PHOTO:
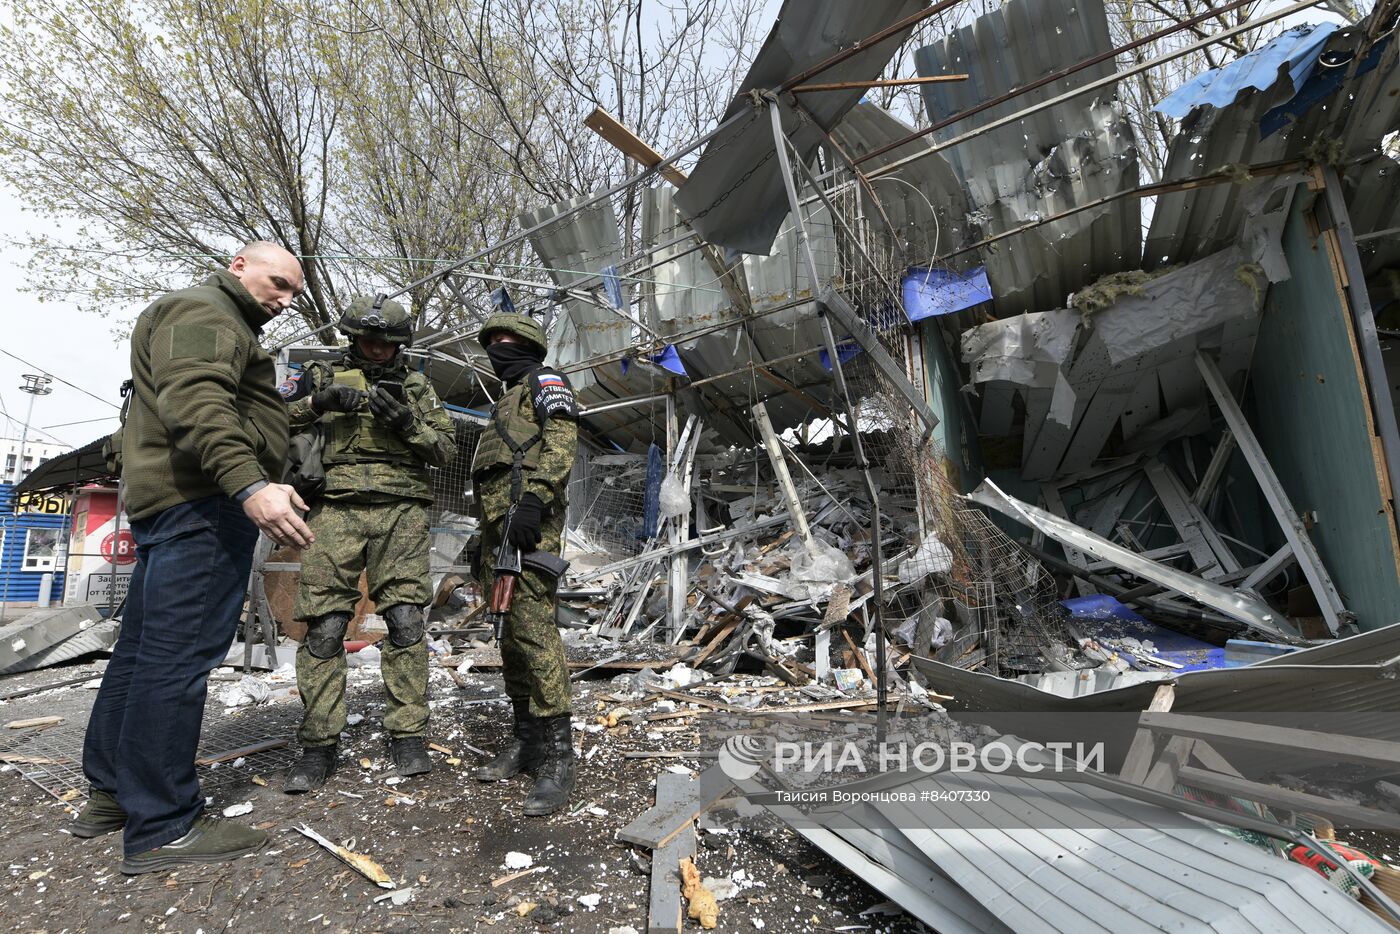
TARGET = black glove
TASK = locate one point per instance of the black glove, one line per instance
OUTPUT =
(336, 398)
(525, 524)
(389, 410)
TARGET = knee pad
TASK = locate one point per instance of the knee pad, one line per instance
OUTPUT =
(406, 624)
(325, 635)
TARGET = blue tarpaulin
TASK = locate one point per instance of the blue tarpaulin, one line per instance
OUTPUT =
(1297, 49)
(1321, 86)
(1100, 617)
(845, 350)
(670, 361)
(929, 293)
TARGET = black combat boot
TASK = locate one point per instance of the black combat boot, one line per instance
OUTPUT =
(555, 778)
(410, 755)
(317, 763)
(523, 753)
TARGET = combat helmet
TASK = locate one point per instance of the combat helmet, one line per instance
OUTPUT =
(512, 322)
(377, 317)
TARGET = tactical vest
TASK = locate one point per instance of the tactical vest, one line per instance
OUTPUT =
(513, 418)
(358, 437)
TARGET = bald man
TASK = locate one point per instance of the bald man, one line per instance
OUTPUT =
(201, 447)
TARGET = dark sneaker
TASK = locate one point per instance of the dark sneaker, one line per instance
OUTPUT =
(410, 755)
(210, 840)
(317, 763)
(102, 814)
(555, 778)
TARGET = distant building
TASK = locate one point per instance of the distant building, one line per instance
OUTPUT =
(36, 451)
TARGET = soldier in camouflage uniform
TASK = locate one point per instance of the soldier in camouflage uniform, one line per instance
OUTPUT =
(523, 461)
(383, 428)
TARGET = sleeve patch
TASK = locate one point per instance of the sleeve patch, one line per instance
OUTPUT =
(551, 396)
(294, 387)
(196, 341)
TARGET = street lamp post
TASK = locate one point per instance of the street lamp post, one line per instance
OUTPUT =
(36, 384)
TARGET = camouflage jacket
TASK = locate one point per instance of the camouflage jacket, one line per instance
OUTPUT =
(540, 404)
(364, 459)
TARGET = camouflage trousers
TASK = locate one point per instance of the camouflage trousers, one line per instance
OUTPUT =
(532, 654)
(389, 542)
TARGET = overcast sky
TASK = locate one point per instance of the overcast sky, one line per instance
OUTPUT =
(56, 339)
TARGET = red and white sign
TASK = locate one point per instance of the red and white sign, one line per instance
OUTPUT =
(101, 552)
(119, 547)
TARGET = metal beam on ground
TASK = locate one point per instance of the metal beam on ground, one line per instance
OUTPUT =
(1333, 610)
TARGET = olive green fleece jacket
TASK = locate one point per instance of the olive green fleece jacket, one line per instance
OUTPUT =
(206, 417)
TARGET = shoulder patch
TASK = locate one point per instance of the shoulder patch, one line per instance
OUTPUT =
(551, 395)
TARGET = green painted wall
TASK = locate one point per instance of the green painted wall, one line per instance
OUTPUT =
(1308, 409)
(956, 430)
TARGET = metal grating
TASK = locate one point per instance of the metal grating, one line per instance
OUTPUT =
(63, 747)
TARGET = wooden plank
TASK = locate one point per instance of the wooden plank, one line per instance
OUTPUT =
(1359, 749)
(1341, 813)
(1175, 754)
(629, 144)
(242, 751)
(1205, 753)
(33, 722)
(658, 825)
(664, 908)
(1139, 758)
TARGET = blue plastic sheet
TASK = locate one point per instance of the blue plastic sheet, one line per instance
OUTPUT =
(1101, 617)
(929, 293)
(844, 351)
(1297, 49)
(670, 361)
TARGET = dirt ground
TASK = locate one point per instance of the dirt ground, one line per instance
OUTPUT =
(444, 835)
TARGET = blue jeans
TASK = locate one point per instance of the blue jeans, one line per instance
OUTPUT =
(182, 610)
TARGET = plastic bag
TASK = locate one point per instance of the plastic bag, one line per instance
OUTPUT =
(675, 498)
(933, 557)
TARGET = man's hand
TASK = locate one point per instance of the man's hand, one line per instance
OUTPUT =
(389, 410)
(525, 525)
(276, 510)
(336, 398)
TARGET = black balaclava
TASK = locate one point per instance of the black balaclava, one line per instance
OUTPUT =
(394, 369)
(512, 361)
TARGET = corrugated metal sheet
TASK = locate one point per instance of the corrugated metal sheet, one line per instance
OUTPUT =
(735, 196)
(1049, 856)
(583, 243)
(1342, 126)
(1051, 161)
(1294, 52)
